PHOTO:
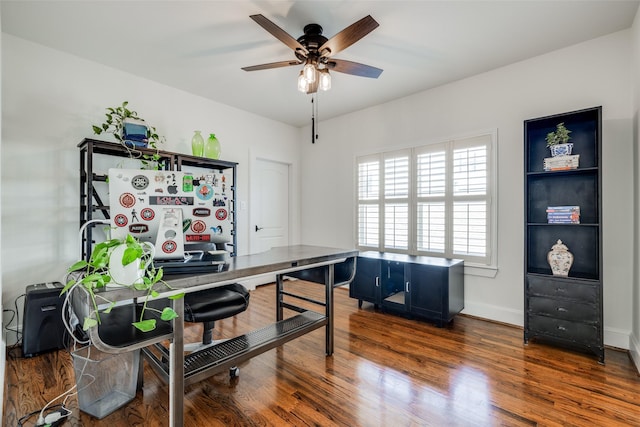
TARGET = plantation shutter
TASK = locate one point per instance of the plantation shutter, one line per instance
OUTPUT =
(430, 198)
(369, 202)
(470, 216)
(396, 200)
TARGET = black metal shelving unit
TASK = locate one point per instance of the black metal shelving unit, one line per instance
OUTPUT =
(92, 205)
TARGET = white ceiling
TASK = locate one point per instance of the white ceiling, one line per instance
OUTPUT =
(200, 46)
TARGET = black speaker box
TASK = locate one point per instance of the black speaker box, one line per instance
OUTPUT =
(42, 327)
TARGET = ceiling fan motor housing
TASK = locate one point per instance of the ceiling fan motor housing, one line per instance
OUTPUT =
(311, 40)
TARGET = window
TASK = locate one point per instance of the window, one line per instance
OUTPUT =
(430, 200)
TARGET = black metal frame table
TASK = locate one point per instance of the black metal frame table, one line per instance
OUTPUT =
(330, 266)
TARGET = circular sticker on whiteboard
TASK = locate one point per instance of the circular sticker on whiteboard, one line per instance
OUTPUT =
(169, 246)
(147, 214)
(198, 226)
(204, 192)
(127, 200)
(120, 220)
(221, 214)
(140, 182)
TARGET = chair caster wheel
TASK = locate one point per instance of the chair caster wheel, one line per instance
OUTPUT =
(234, 372)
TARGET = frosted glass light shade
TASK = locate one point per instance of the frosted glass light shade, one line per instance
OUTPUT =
(309, 71)
(325, 79)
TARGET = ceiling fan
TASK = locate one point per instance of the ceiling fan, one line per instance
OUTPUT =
(316, 52)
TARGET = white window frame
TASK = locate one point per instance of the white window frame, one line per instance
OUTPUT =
(487, 261)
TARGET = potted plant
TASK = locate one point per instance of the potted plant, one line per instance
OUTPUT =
(558, 141)
(119, 262)
(131, 131)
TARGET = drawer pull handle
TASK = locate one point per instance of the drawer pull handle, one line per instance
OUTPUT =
(561, 290)
(561, 309)
(561, 328)
(377, 281)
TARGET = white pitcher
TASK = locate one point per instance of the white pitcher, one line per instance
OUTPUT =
(132, 273)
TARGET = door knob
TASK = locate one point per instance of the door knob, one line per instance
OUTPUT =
(259, 228)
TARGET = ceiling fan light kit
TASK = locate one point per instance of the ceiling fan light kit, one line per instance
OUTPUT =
(312, 75)
(316, 52)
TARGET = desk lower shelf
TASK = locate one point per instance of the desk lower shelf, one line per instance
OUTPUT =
(224, 355)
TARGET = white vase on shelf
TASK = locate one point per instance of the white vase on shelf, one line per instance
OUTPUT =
(560, 259)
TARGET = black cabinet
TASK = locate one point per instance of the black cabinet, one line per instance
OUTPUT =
(95, 154)
(426, 287)
(564, 310)
(366, 284)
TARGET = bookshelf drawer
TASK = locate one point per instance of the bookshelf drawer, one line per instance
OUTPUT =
(563, 309)
(586, 334)
(563, 288)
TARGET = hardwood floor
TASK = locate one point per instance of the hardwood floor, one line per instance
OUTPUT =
(386, 371)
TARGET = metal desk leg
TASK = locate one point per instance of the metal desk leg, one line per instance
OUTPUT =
(176, 367)
(279, 288)
(329, 281)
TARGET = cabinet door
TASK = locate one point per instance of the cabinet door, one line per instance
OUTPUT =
(427, 290)
(393, 285)
(366, 284)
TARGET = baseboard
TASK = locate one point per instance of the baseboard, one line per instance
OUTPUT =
(634, 350)
(617, 338)
(494, 313)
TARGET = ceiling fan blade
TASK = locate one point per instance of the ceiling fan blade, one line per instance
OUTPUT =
(355, 68)
(271, 65)
(278, 33)
(349, 35)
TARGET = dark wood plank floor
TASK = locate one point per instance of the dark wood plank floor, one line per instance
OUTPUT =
(386, 371)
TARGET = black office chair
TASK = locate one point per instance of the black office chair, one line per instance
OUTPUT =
(213, 304)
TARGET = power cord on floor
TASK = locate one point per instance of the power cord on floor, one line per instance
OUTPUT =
(56, 417)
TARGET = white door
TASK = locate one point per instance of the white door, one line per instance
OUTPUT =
(269, 205)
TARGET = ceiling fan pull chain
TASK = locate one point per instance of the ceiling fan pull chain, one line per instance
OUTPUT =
(313, 122)
(316, 115)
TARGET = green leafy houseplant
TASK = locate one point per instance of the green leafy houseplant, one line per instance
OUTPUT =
(94, 276)
(560, 136)
(114, 123)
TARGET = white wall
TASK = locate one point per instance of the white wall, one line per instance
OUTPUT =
(594, 73)
(50, 101)
(634, 342)
(3, 343)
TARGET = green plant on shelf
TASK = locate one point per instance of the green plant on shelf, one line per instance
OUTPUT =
(114, 123)
(560, 136)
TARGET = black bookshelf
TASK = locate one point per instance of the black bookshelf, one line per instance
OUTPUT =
(564, 310)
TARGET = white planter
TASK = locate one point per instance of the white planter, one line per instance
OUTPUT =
(561, 149)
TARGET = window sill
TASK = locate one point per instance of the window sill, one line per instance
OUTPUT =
(480, 270)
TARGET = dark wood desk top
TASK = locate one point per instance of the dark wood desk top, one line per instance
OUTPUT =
(278, 259)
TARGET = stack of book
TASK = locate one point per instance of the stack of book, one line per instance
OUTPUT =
(560, 163)
(563, 214)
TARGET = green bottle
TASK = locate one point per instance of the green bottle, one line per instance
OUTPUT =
(197, 144)
(212, 147)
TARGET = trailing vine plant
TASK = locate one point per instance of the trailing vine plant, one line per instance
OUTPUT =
(94, 276)
(114, 123)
